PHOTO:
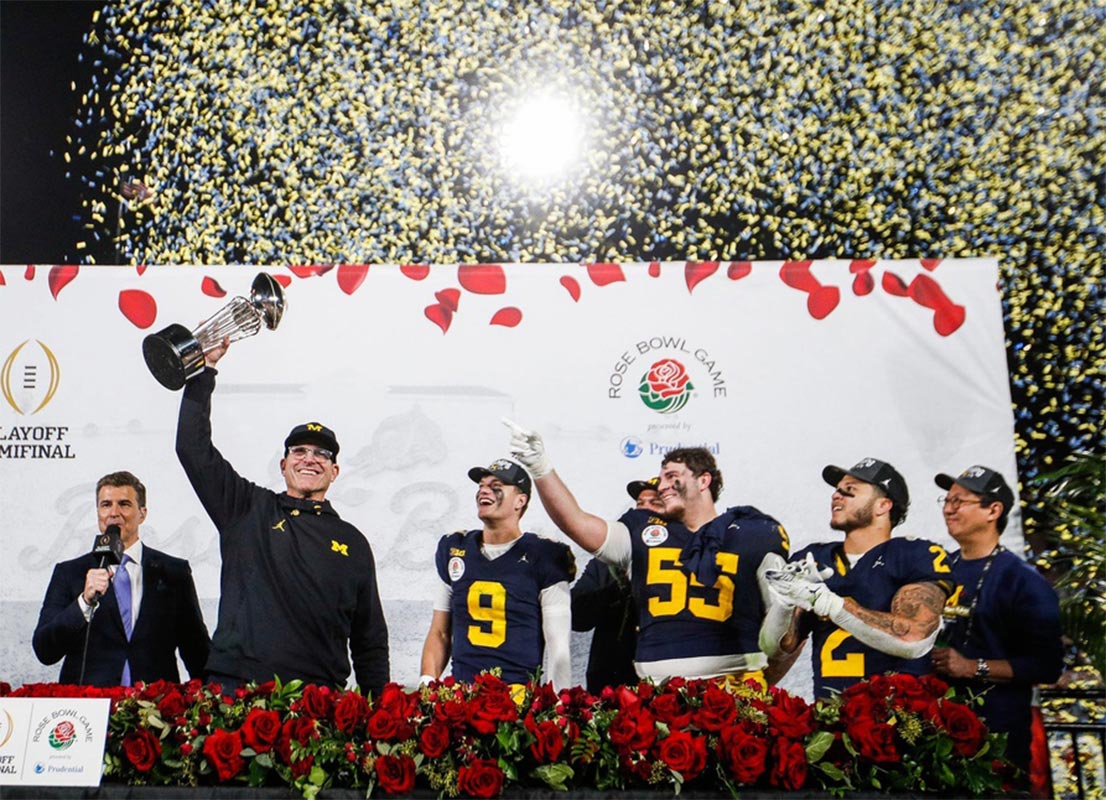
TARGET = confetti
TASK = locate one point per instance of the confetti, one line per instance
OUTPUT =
(356, 133)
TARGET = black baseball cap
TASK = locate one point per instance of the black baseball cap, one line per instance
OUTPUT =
(980, 480)
(878, 473)
(313, 433)
(635, 488)
(507, 471)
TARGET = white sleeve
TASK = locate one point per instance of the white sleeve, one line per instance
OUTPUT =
(556, 624)
(881, 640)
(616, 548)
(444, 597)
(778, 614)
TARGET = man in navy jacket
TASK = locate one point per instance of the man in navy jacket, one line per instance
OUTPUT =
(165, 612)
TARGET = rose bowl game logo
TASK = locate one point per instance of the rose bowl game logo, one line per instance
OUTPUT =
(456, 568)
(654, 535)
(666, 387)
(63, 735)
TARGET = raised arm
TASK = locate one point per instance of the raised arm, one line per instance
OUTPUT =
(587, 530)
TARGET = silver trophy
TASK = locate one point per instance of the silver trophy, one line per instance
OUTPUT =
(175, 355)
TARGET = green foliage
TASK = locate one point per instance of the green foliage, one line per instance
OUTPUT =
(1076, 553)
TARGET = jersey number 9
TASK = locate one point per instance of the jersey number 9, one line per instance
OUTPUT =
(488, 607)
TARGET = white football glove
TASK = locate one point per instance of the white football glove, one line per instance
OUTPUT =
(529, 450)
(811, 572)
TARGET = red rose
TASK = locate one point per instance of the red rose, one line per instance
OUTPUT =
(154, 690)
(481, 778)
(717, 711)
(909, 693)
(396, 773)
(684, 753)
(789, 767)
(434, 739)
(261, 730)
(667, 378)
(172, 705)
(485, 711)
(350, 712)
(936, 687)
(383, 726)
(451, 712)
(874, 740)
(963, 725)
(224, 751)
(548, 740)
(316, 702)
(669, 710)
(142, 749)
(790, 715)
(743, 754)
(301, 730)
(396, 702)
(632, 729)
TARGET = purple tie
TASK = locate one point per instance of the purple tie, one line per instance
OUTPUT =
(122, 584)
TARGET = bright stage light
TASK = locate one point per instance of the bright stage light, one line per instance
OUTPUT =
(543, 139)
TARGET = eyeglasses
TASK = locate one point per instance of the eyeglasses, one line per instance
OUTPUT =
(320, 453)
(955, 502)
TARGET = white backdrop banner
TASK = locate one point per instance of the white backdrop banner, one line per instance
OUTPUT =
(777, 368)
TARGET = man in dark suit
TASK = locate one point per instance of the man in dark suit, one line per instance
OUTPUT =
(141, 611)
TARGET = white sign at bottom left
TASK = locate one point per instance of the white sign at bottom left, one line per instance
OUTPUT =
(52, 741)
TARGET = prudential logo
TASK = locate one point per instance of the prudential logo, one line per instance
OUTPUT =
(666, 387)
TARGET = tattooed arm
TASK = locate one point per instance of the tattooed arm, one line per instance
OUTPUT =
(908, 630)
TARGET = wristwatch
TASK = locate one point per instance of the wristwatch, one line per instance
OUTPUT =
(982, 669)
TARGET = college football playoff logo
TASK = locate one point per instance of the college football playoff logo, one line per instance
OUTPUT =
(666, 387)
(29, 378)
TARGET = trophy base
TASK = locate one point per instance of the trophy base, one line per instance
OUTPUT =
(173, 356)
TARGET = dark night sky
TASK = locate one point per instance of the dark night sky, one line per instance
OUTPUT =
(39, 43)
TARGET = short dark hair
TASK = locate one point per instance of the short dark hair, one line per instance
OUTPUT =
(122, 478)
(698, 460)
(990, 499)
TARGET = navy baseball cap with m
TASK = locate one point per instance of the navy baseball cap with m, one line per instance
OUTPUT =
(505, 470)
(980, 480)
(313, 433)
(878, 473)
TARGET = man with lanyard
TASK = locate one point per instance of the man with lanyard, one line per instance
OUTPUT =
(1005, 632)
(299, 595)
(873, 603)
(601, 601)
(503, 600)
(692, 571)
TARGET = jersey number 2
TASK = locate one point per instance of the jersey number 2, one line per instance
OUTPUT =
(488, 607)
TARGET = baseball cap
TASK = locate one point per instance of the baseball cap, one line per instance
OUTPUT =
(635, 488)
(507, 471)
(313, 433)
(980, 480)
(878, 473)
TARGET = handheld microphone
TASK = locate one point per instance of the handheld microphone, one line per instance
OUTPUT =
(108, 547)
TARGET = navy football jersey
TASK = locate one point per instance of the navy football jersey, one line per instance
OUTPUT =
(496, 604)
(840, 660)
(681, 616)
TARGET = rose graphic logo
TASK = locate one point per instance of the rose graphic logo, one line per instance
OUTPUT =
(63, 735)
(666, 388)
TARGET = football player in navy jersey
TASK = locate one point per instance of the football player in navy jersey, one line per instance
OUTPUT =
(692, 571)
(1007, 637)
(504, 597)
(601, 601)
(872, 603)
